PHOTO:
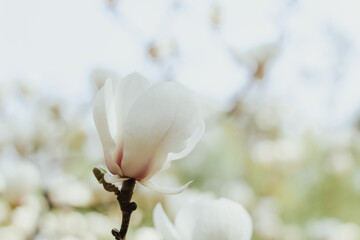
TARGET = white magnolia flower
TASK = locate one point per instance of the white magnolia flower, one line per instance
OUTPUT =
(144, 127)
(206, 220)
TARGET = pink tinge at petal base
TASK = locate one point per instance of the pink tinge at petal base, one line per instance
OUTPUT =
(120, 155)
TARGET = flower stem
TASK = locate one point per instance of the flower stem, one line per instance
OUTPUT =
(127, 207)
(124, 198)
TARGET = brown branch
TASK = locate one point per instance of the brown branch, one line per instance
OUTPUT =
(123, 197)
(126, 206)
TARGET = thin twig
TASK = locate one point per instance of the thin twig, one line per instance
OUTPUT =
(126, 206)
(123, 197)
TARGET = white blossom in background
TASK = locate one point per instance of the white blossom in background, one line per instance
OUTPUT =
(240, 192)
(144, 127)
(267, 221)
(4, 211)
(174, 203)
(333, 229)
(69, 191)
(206, 219)
(146, 233)
(25, 217)
(19, 178)
(11, 233)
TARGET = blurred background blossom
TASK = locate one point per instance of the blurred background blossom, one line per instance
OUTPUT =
(278, 82)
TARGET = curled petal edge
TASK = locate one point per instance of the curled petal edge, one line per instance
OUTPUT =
(111, 178)
(163, 224)
(165, 190)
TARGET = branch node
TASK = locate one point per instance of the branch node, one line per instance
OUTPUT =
(123, 197)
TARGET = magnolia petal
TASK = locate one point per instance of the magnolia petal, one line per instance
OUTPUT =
(222, 219)
(165, 119)
(187, 217)
(163, 224)
(110, 178)
(102, 105)
(127, 90)
(166, 190)
(189, 145)
(110, 107)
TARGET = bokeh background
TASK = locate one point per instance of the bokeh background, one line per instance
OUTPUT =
(279, 85)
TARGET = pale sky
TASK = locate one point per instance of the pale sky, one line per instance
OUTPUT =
(54, 45)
